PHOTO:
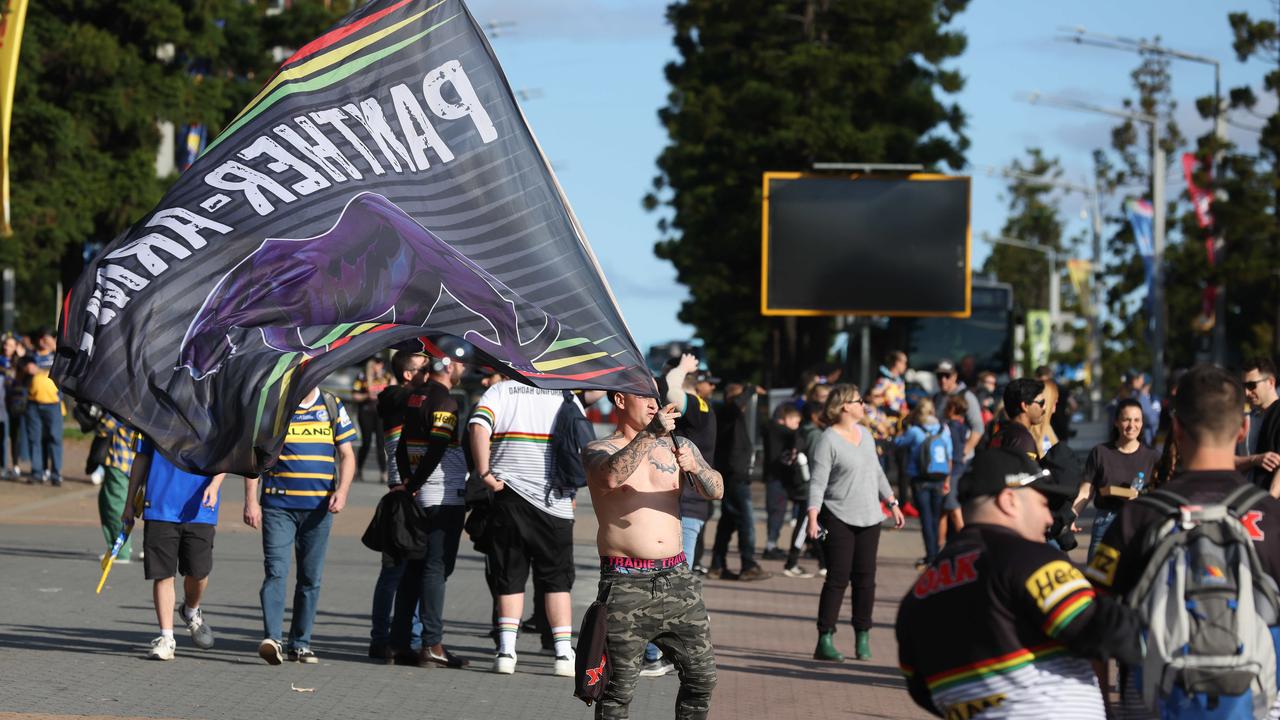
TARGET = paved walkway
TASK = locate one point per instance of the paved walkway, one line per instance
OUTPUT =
(67, 652)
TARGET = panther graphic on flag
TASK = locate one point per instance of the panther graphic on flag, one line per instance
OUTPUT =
(376, 264)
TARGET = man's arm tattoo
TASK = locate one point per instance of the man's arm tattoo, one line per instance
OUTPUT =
(617, 465)
(706, 481)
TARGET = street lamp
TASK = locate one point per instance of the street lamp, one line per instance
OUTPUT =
(1055, 291)
(1095, 321)
(1080, 36)
(1158, 230)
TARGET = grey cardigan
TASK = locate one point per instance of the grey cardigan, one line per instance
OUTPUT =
(847, 479)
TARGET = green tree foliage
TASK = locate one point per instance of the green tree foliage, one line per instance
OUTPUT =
(1124, 173)
(94, 79)
(777, 85)
(1250, 186)
(1033, 218)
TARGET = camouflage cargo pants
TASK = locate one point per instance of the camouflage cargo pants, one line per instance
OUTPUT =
(664, 608)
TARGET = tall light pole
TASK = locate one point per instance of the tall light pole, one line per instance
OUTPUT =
(1158, 230)
(1080, 36)
(1055, 289)
(1094, 350)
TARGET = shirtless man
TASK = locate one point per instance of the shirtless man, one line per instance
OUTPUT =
(634, 476)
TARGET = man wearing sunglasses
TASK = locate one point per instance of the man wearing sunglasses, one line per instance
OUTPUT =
(1031, 621)
(1264, 424)
(1024, 406)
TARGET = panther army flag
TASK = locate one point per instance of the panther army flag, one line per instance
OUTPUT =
(382, 186)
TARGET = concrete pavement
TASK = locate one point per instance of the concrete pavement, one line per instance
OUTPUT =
(67, 652)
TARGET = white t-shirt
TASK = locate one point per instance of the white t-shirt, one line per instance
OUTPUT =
(519, 419)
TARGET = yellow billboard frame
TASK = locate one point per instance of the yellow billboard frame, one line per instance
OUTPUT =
(803, 312)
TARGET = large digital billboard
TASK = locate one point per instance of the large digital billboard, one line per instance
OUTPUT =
(865, 245)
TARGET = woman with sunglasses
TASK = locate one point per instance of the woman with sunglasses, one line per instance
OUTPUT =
(845, 489)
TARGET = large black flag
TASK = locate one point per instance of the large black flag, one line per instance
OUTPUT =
(382, 186)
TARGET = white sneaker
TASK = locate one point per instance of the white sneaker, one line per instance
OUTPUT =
(796, 571)
(656, 668)
(564, 665)
(504, 664)
(162, 648)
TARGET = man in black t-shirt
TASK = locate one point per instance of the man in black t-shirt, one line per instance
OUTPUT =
(1024, 404)
(1207, 424)
(433, 466)
(1264, 458)
(733, 462)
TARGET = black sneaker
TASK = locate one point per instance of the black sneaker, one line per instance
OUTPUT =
(379, 651)
(304, 656)
(755, 572)
(773, 554)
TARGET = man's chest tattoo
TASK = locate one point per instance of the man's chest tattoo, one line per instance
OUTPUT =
(661, 466)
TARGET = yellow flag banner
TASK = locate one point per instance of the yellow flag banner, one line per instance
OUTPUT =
(14, 15)
(1079, 272)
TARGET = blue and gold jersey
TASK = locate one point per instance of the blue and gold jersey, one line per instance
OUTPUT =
(305, 476)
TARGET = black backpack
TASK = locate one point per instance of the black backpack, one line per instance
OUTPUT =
(592, 668)
(570, 433)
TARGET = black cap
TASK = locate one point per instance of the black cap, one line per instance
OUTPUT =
(995, 469)
(707, 377)
(945, 367)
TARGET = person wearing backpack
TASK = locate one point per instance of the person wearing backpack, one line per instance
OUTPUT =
(1001, 624)
(929, 457)
(1196, 524)
(300, 494)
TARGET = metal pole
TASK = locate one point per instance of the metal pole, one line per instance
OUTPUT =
(1055, 295)
(1095, 318)
(864, 356)
(1157, 292)
(1220, 246)
(8, 277)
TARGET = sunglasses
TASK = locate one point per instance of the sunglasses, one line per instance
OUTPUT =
(1024, 479)
(1252, 385)
(856, 401)
(1038, 401)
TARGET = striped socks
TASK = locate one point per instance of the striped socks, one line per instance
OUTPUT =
(507, 628)
(564, 640)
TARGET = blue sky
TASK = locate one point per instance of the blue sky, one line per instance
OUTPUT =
(596, 67)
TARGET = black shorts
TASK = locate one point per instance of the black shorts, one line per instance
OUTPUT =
(177, 547)
(519, 535)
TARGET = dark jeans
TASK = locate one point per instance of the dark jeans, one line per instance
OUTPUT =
(422, 586)
(735, 516)
(370, 436)
(775, 508)
(306, 532)
(851, 557)
(44, 433)
(384, 598)
(928, 498)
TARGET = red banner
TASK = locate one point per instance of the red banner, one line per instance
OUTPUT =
(1202, 200)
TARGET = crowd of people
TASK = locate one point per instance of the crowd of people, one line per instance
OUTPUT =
(995, 492)
(32, 410)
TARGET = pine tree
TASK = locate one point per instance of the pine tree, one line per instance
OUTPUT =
(94, 78)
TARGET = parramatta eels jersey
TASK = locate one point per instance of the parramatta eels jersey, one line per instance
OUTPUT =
(984, 631)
